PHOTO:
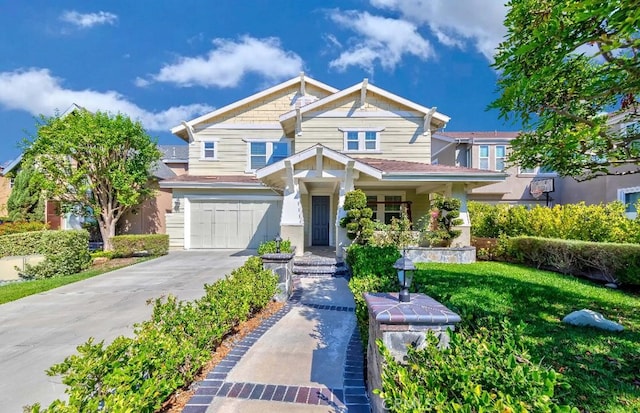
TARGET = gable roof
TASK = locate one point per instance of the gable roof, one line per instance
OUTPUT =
(174, 153)
(312, 152)
(12, 165)
(181, 130)
(356, 89)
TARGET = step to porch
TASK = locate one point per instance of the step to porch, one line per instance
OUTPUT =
(310, 265)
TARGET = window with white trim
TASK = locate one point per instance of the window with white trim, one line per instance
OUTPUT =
(263, 153)
(501, 153)
(386, 205)
(630, 196)
(392, 207)
(372, 202)
(209, 150)
(361, 140)
(484, 157)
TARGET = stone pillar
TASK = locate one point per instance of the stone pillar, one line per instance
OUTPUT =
(399, 325)
(282, 265)
(459, 191)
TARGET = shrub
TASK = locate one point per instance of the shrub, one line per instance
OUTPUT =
(269, 247)
(596, 223)
(138, 374)
(358, 219)
(398, 233)
(65, 253)
(437, 226)
(151, 244)
(488, 370)
(372, 271)
(19, 227)
(614, 262)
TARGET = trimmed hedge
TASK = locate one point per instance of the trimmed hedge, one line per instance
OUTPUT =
(138, 374)
(618, 263)
(65, 252)
(596, 223)
(8, 228)
(128, 245)
(269, 247)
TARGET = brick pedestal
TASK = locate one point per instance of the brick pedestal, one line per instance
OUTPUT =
(399, 325)
(282, 265)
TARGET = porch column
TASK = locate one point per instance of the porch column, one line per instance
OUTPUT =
(346, 185)
(292, 221)
(459, 191)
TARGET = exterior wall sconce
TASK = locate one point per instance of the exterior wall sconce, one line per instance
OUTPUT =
(405, 269)
(176, 205)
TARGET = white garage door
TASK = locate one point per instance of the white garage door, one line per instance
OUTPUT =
(233, 224)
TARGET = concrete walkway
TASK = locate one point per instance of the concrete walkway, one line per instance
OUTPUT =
(41, 330)
(306, 358)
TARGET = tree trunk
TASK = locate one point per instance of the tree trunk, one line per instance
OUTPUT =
(107, 230)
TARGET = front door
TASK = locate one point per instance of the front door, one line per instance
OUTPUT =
(320, 207)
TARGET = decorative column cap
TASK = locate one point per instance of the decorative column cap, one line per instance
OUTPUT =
(385, 308)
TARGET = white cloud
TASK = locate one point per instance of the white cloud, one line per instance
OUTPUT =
(36, 91)
(229, 61)
(456, 23)
(88, 20)
(383, 39)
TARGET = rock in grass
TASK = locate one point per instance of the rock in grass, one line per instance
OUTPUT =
(591, 318)
(611, 285)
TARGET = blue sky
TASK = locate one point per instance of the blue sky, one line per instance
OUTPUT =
(163, 62)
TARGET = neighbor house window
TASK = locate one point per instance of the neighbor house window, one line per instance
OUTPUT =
(361, 140)
(484, 157)
(500, 157)
(630, 196)
(209, 150)
(263, 153)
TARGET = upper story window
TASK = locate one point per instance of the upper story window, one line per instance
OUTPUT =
(361, 140)
(209, 150)
(501, 152)
(263, 153)
(484, 157)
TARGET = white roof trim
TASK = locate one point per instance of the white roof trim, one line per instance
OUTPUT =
(357, 88)
(252, 98)
(311, 153)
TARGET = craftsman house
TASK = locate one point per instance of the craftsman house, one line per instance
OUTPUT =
(280, 162)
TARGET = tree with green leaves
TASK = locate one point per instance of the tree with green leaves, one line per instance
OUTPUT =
(565, 65)
(96, 163)
(26, 202)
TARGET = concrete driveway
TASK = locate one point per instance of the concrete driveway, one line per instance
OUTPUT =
(41, 330)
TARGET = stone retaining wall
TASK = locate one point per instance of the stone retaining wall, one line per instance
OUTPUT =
(460, 255)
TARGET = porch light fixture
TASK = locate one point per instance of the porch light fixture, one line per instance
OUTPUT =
(176, 205)
(278, 241)
(405, 269)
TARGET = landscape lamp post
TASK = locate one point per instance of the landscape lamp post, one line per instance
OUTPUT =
(278, 241)
(405, 269)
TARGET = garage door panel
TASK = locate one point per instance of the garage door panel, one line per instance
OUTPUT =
(233, 224)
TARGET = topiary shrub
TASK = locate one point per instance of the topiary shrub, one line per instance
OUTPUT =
(149, 244)
(358, 221)
(437, 227)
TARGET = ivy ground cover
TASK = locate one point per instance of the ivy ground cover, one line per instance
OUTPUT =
(602, 368)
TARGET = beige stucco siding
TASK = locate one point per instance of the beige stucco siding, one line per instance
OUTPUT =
(5, 192)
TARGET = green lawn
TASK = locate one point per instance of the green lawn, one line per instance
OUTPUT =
(603, 368)
(14, 291)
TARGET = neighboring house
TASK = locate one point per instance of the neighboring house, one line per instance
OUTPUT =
(488, 151)
(281, 161)
(623, 188)
(149, 218)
